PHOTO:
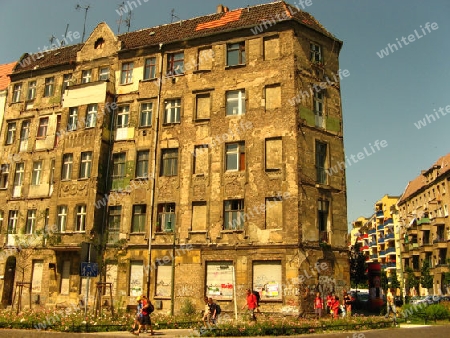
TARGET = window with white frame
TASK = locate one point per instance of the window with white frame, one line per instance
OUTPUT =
(235, 104)
(91, 115)
(80, 224)
(150, 68)
(233, 215)
(166, 217)
(175, 64)
(103, 74)
(236, 53)
(17, 92)
(126, 75)
(49, 86)
(169, 162)
(315, 55)
(30, 227)
(85, 164)
(235, 156)
(172, 111)
(13, 220)
(19, 173)
(67, 79)
(42, 128)
(219, 280)
(142, 164)
(25, 131)
(31, 95)
(62, 218)
(4, 177)
(86, 76)
(36, 174)
(267, 279)
(123, 116)
(73, 119)
(146, 114)
(139, 217)
(10, 132)
(67, 167)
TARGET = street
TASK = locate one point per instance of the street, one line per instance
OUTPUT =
(411, 331)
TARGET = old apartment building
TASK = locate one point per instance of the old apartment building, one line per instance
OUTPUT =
(425, 233)
(193, 157)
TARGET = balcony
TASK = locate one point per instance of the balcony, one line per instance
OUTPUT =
(423, 220)
(391, 265)
(389, 222)
(389, 237)
(382, 254)
(390, 250)
(380, 227)
(372, 231)
(380, 214)
(438, 221)
(440, 243)
(372, 244)
(365, 248)
(441, 268)
(412, 230)
(374, 256)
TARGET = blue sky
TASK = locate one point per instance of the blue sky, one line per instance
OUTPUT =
(382, 99)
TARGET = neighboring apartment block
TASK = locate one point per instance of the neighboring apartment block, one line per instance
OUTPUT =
(425, 234)
(176, 153)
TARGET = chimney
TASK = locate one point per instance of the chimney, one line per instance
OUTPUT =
(220, 8)
(226, 9)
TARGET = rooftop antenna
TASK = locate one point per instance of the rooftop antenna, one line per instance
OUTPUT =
(127, 21)
(172, 13)
(51, 39)
(120, 9)
(63, 42)
(78, 7)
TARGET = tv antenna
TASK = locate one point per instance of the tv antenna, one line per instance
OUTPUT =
(63, 42)
(78, 7)
(51, 39)
(172, 14)
(127, 21)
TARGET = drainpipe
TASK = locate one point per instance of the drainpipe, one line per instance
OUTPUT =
(153, 175)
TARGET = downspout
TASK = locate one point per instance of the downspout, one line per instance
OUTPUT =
(153, 175)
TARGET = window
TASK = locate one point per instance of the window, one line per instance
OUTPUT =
(175, 64)
(119, 165)
(321, 160)
(103, 74)
(271, 47)
(91, 115)
(142, 163)
(203, 106)
(86, 76)
(169, 162)
(163, 280)
(80, 224)
(136, 281)
(139, 216)
(127, 73)
(315, 53)
(274, 153)
(30, 227)
(25, 131)
(67, 167)
(318, 108)
(73, 119)
(150, 68)
(233, 215)
(18, 175)
(42, 129)
(62, 218)
(65, 278)
(11, 132)
(37, 172)
(322, 219)
(146, 114)
(235, 102)
(236, 54)
(12, 221)
(4, 176)
(201, 164)
(123, 116)
(273, 96)
(31, 90)
(17, 91)
(166, 217)
(274, 213)
(67, 79)
(85, 164)
(267, 279)
(115, 214)
(204, 58)
(99, 43)
(235, 156)
(49, 87)
(199, 218)
(219, 280)
(172, 111)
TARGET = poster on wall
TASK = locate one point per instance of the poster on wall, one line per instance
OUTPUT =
(219, 280)
(267, 279)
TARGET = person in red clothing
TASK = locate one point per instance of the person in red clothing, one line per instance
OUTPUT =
(335, 307)
(329, 300)
(318, 305)
(251, 304)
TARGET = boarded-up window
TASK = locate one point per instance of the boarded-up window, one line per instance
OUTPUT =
(205, 56)
(65, 278)
(271, 47)
(111, 276)
(273, 96)
(274, 213)
(219, 280)
(274, 158)
(163, 281)
(198, 216)
(136, 278)
(201, 159)
(267, 279)
(203, 107)
(38, 268)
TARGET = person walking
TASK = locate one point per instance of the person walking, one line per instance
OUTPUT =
(212, 310)
(251, 303)
(348, 304)
(335, 307)
(206, 312)
(329, 301)
(138, 317)
(318, 305)
(390, 305)
(145, 323)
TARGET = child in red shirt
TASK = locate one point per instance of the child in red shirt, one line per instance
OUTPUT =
(335, 307)
(329, 301)
(318, 305)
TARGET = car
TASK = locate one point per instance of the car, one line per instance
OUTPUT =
(416, 299)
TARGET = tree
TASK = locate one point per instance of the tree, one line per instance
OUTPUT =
(426, 280)
(358, 266)
(394, 280)
(410, 280)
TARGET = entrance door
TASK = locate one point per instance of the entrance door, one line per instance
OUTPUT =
(8, 285)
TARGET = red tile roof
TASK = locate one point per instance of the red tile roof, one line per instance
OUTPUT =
(227, 18)
(5, 70)
(443, 165)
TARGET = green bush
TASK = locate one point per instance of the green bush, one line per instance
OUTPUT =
(436, 311)
(188, 308)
